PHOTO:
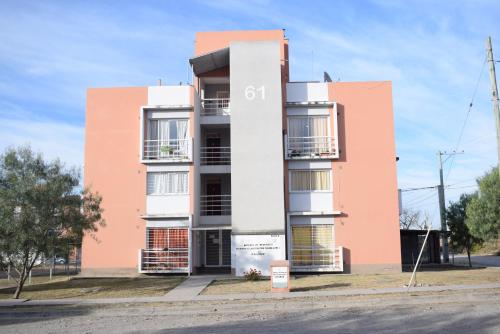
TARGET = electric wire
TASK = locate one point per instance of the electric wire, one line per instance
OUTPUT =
(417, 198)
(423, 200)
(466, 119)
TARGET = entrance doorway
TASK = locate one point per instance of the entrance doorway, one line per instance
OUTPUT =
(217, 248)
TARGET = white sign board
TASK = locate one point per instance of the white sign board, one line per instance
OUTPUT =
(256, 252)
(279, 277)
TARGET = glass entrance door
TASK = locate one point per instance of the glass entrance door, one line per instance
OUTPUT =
(218, 248)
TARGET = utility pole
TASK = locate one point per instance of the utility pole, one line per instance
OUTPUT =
(494, 93)
(442, 204)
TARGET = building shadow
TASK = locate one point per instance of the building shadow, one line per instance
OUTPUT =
(22, 314)
(354, 320)
(341, 134)
(321, 287)
(439, 267)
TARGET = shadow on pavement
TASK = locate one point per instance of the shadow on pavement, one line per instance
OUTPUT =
(321, 287)
(25, 314)
(354, 320)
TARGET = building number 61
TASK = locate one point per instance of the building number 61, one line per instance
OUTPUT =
(251, 92)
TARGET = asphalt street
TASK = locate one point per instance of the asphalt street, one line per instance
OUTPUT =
(478, 260)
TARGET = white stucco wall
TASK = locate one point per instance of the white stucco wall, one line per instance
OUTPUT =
(311, 201)
(306, 91)
(168, 204)
(169, 95)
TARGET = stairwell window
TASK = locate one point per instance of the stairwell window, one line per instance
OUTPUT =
(310, 180)
(167, 183)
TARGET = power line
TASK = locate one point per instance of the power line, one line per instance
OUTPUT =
(411, 196)
(463, 187)
(417, 198)
(422, 200)
(420, 188)
(466, 118)
(463, 181)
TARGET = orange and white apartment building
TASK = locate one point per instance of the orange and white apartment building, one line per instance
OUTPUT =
(242, 167)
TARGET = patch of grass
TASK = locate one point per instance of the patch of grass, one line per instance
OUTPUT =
(345, 281)
(4, 283)
(87, 288)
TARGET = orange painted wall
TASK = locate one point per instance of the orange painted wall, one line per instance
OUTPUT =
(209, 41)
(365, 179)
(112, 168)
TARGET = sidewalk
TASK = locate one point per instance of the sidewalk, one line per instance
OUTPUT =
(195, 285)
(189, 289)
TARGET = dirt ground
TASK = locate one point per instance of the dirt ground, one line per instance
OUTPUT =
(341, 281)
(439, 312)
(95, 287)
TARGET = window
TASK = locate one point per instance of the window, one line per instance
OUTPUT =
(312, 245)
(309, 136)
(167, 129)
(165, 183)
(222, 99)
(310, 180)
(161, 238)
(167, 249)
(166, 138)
(308, 126)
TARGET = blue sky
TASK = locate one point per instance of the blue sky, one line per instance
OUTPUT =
(433, 51)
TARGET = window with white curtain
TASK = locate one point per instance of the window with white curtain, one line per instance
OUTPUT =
(167, 129)
(308, 126)
(310, 180)
(167, 137)
(166, 183)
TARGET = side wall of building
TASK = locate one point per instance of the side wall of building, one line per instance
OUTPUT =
(365, 177)
(112, 169)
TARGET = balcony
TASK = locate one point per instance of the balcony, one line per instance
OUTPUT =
(215, 205)
(172, 150)
(311, 148)
(213, 156)
(171, 260)
(215, 107)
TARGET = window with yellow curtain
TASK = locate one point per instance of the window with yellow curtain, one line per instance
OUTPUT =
(310, 180)
(312, 245)
(302, 246)
(322, 241)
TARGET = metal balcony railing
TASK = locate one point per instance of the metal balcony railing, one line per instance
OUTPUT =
(160, 260)
(215, 205)
(170, 149)
(311, 147)
(215, 107)
(215, 156)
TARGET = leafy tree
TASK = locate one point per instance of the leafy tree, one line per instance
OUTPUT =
(460, 237)
(410, 219)
(41, 209)
(483, 211)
